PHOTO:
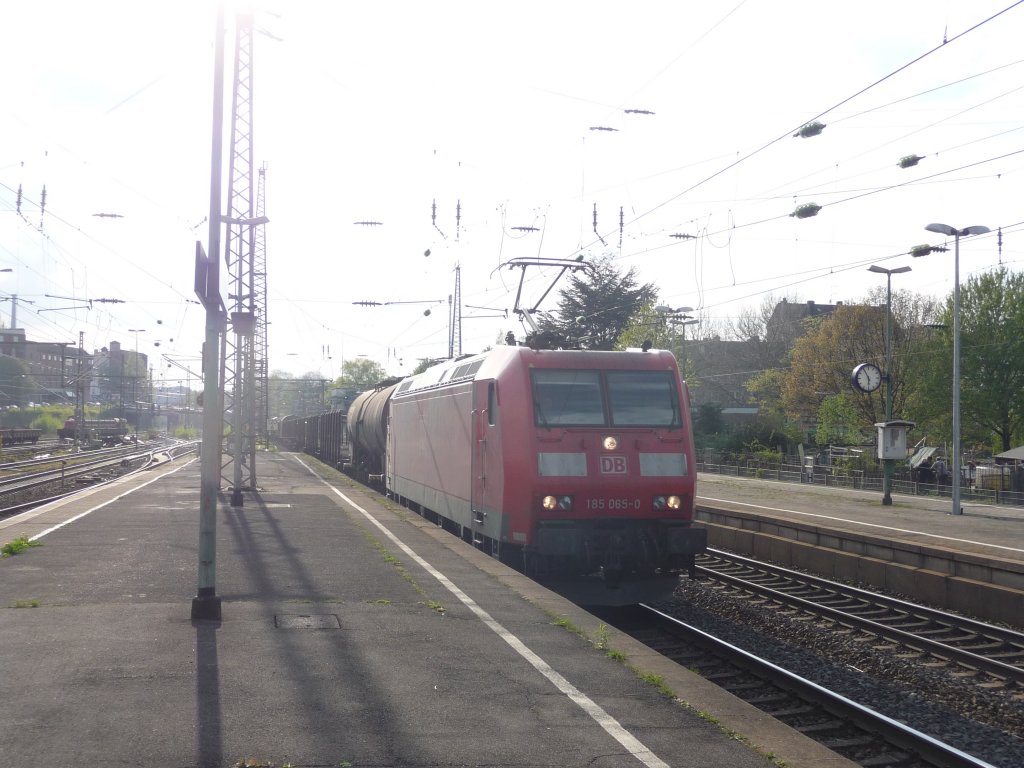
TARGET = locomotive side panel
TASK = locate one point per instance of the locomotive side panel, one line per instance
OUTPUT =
(430, 449)
(505, 477)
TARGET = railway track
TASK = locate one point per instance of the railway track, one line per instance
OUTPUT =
(878, 679)
(40, 481)
(19, 451)
(888, 724)
(857, 732)
(988, 654)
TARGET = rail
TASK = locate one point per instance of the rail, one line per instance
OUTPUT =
(903, 737)
(961, 641)
(41, 486)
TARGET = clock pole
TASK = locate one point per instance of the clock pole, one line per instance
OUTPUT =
(887, 467)
(888, 464)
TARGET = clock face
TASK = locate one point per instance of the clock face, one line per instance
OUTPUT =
(867, 377)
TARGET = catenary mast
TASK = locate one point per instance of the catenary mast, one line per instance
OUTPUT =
(455, 321)
(261, 360)
(238, 466)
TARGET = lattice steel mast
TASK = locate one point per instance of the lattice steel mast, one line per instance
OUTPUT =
(455, 321)
(261, 359)
(238, 466)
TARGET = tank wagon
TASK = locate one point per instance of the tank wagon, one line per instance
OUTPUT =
(576, 467)
(368, 429)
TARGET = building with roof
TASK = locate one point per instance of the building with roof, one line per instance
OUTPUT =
(40, 371)
(54, 372)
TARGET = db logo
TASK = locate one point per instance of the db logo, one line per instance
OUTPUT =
(613, 465)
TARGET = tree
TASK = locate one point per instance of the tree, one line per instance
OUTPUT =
(768, 343)
(598, 304)
(49, 423)
(667, 330)
(296, 396)
(823, 359)
(361, 374)
(991, 360)
(424, 363)
(765, 387)
(646, 326)
(838, 422)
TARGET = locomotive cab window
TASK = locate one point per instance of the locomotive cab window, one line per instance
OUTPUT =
(598, 399)
(567, 398)
(643, 399)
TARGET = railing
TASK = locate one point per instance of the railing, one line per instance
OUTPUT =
(863, 480)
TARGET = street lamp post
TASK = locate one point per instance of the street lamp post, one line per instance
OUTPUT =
(955, 233)
(679, 317)
(682, 322)
(887, 377)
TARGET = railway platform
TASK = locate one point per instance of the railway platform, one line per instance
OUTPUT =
(353, 633)
(971, 562)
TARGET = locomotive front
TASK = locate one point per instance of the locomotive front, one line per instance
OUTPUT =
(574, 466)
(611, 501)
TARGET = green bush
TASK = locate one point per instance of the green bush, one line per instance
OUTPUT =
(49, 423)
(762, 453)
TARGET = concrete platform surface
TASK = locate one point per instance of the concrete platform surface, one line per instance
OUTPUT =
(353, 634)
(982, 529)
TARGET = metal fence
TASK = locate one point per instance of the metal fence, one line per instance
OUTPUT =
(837, 477)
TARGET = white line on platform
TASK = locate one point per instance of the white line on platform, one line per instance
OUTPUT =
(860, 522)
(80, 515)
(584, 702)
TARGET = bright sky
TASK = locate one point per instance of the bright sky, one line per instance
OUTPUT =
(377, 111)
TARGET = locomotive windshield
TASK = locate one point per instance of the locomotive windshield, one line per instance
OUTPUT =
(605, 398)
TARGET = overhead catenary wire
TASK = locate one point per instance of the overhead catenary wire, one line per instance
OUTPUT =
(715, 224)
(788, 134)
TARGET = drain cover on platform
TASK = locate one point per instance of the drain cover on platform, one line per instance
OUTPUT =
(300, 621)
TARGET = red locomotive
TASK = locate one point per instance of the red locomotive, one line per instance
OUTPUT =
(576, 467)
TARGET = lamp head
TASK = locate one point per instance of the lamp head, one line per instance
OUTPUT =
(884, 271)
(949, 231)
(942, 229)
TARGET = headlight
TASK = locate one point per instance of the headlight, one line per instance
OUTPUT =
(674, 502)
(557, 502)
(667, 502)
(610, 443)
